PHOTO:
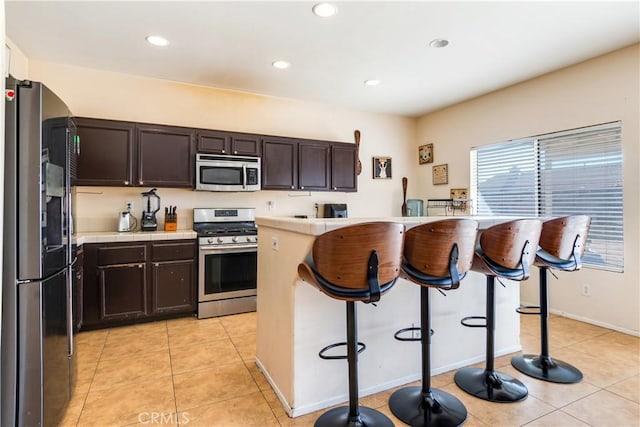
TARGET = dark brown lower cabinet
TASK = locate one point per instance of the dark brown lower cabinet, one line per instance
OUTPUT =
(123, 291)
(173, 286)
(128, 282)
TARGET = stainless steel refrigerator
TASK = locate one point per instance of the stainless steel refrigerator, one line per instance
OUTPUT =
(37, 348)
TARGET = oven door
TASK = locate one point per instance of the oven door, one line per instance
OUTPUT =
(227, 272)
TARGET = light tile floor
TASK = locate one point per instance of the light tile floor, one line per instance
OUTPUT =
(189, 372)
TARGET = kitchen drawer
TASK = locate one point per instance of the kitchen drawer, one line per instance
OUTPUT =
(122, 254)
(173, 251)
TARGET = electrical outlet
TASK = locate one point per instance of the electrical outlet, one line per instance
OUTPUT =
(271, 205)
(586, 290)
(128, 205)
(274, 243)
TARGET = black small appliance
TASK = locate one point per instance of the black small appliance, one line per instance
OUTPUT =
(149, 221)
(335, 210)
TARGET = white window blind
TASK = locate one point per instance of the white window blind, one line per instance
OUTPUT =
(565, 173)
(505, 179)
(581, 173)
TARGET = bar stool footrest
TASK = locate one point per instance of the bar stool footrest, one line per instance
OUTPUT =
(339, 417)
(411, 329)
(435, 408)
(321, 354)
(529, 309)
(466, 322)
(547, 369)
(493, 386)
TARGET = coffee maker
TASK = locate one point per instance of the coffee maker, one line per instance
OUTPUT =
(149, 221)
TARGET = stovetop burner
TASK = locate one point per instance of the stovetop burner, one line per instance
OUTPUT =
(229, 225)
(216, 229)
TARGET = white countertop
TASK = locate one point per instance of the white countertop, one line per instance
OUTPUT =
(318, 226)
(136, 236)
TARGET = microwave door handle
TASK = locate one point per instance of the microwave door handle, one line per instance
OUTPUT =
(244, 176)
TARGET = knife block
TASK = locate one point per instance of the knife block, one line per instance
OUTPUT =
(170, 222)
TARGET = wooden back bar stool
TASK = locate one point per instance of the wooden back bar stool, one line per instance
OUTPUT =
(562, 245)
(436, 255)
(507, 251)
(355, 263)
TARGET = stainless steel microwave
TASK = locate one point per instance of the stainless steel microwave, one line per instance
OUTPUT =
(227, 173)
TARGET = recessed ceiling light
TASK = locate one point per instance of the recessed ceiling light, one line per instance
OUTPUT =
(438, 43)
(372, 82)
(280, 64)
(157, 40)
(324, 10)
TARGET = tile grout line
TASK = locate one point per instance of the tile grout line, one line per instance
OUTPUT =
(84, 402)
(251, 375)
(173, 382)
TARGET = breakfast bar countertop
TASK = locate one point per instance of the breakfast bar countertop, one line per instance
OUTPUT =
(135, 236)
(318, 226)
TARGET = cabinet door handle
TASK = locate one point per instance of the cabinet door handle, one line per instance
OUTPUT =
(235, 152)
(335, 188)
(140, 182)
(302, 188)
(156, 264)
(126, 183)
(293, 188)
(224, 151)
(140, 265)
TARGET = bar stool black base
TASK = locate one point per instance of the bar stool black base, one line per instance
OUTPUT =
(547, 369)
(493, 386)
(437, 409)
(340, 417)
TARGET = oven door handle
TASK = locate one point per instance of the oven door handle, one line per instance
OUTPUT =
(229, 249)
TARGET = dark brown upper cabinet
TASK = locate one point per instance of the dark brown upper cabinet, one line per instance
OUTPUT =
(234, 143)
(308, 165)
(106, 152)
(343, 167)
(165, 156)
(116, 153)
(279, 163)
(314, 166)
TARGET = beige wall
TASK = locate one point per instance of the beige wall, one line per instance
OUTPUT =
(601, 90)
(117, 96)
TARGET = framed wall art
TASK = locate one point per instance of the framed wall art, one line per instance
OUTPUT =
(381, 167)
(459, 193)
(440, 174)
(425, 154)
(459, 198)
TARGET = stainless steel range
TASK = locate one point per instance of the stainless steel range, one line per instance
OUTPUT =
(228, 253)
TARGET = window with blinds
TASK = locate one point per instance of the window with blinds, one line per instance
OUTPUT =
(571, 172)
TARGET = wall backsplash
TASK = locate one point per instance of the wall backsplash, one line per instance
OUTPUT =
(97, 208)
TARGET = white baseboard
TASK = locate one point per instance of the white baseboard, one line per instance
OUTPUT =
(275, 388)
(307, 409)
(588, 320)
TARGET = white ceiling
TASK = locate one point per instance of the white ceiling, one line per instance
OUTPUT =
(232, 44)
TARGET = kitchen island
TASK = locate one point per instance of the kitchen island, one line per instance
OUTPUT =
(295, 321)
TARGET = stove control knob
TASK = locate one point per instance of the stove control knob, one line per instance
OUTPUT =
(209, 240)
(248, 239)
(220, 240)
(234, 239)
